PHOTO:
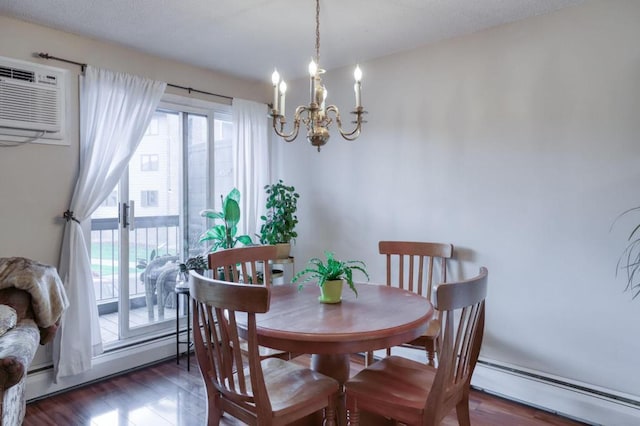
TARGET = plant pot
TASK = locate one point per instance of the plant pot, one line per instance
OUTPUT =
(275, 274)
(283, 250)
(182, 280)
(331, 292)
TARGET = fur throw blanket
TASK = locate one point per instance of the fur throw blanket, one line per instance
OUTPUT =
(42, 282)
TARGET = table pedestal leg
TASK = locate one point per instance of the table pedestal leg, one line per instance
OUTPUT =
(336, 366)
(332, 365)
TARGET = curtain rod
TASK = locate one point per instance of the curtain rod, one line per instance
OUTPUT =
(83, 66)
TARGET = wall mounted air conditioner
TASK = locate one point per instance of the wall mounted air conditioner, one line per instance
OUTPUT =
(32, 100)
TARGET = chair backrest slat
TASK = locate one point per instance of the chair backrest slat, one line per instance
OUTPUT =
(214, 361)
(243, 264)
(409, 258)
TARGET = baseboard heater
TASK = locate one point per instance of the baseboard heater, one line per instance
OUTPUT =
(552, 394)
(562, 383)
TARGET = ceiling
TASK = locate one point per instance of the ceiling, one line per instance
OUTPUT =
(250, 38)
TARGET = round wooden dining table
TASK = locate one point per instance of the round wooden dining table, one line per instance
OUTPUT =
(379, 317)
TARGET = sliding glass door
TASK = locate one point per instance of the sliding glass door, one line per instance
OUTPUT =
(151, 210)
(151, 221)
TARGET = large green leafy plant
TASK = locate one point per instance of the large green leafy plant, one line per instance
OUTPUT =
(223, 235)
(331, 269)
(280, 221)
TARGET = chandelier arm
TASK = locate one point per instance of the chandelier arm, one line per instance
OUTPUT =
(287, 137)
(280, 120)
(294, 133)
(352, 135)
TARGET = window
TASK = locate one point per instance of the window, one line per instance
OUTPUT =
(170, 179)
(149, 162)
(111, 200)
(149, 198)
(154, 127)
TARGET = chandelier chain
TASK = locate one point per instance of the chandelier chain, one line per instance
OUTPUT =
(317, 31)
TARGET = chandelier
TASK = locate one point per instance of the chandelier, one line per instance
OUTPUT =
(315, 116)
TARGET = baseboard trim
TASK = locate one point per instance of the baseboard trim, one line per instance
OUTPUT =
(567, 398)
(40, 382)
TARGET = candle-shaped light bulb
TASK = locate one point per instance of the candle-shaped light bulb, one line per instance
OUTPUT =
(275, 79)
(357, 74)
(313, 69)
(283, 90)
(324, 97)
(318, 98)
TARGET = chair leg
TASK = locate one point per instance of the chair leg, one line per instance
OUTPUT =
(462, 410)
(162, 291)
(368, 358)
(214, 413)
(330, 413)
(431, 359)
(430, 348)
(353, 415)
(148, 295)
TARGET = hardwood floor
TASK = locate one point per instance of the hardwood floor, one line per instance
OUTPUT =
(167, 394)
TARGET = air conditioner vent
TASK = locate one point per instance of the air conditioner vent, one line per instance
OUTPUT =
(33, 107)
(32, 99)
(17, 74)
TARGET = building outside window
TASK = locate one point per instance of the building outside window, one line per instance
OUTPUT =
(149, 162)
(111, 200)
(149, 198)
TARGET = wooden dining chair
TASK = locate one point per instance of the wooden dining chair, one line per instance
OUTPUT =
(412, 266)
(256, 391)
(413, 393)
(248, 265)
(242, 264)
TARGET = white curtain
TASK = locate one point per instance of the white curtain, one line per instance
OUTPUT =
(115, 110)
(251, 162)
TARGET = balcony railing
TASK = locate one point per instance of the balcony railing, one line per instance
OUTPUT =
(153, 236)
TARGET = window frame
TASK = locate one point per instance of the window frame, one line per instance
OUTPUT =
(212, 110)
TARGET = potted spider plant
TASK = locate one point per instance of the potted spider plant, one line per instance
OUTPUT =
(330, 275)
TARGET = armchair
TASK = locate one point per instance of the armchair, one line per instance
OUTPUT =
(32, 299)
(159, 272)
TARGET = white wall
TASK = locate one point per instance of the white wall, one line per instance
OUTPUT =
(519, 145)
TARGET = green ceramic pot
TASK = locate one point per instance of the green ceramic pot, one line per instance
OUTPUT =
(331, 292)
